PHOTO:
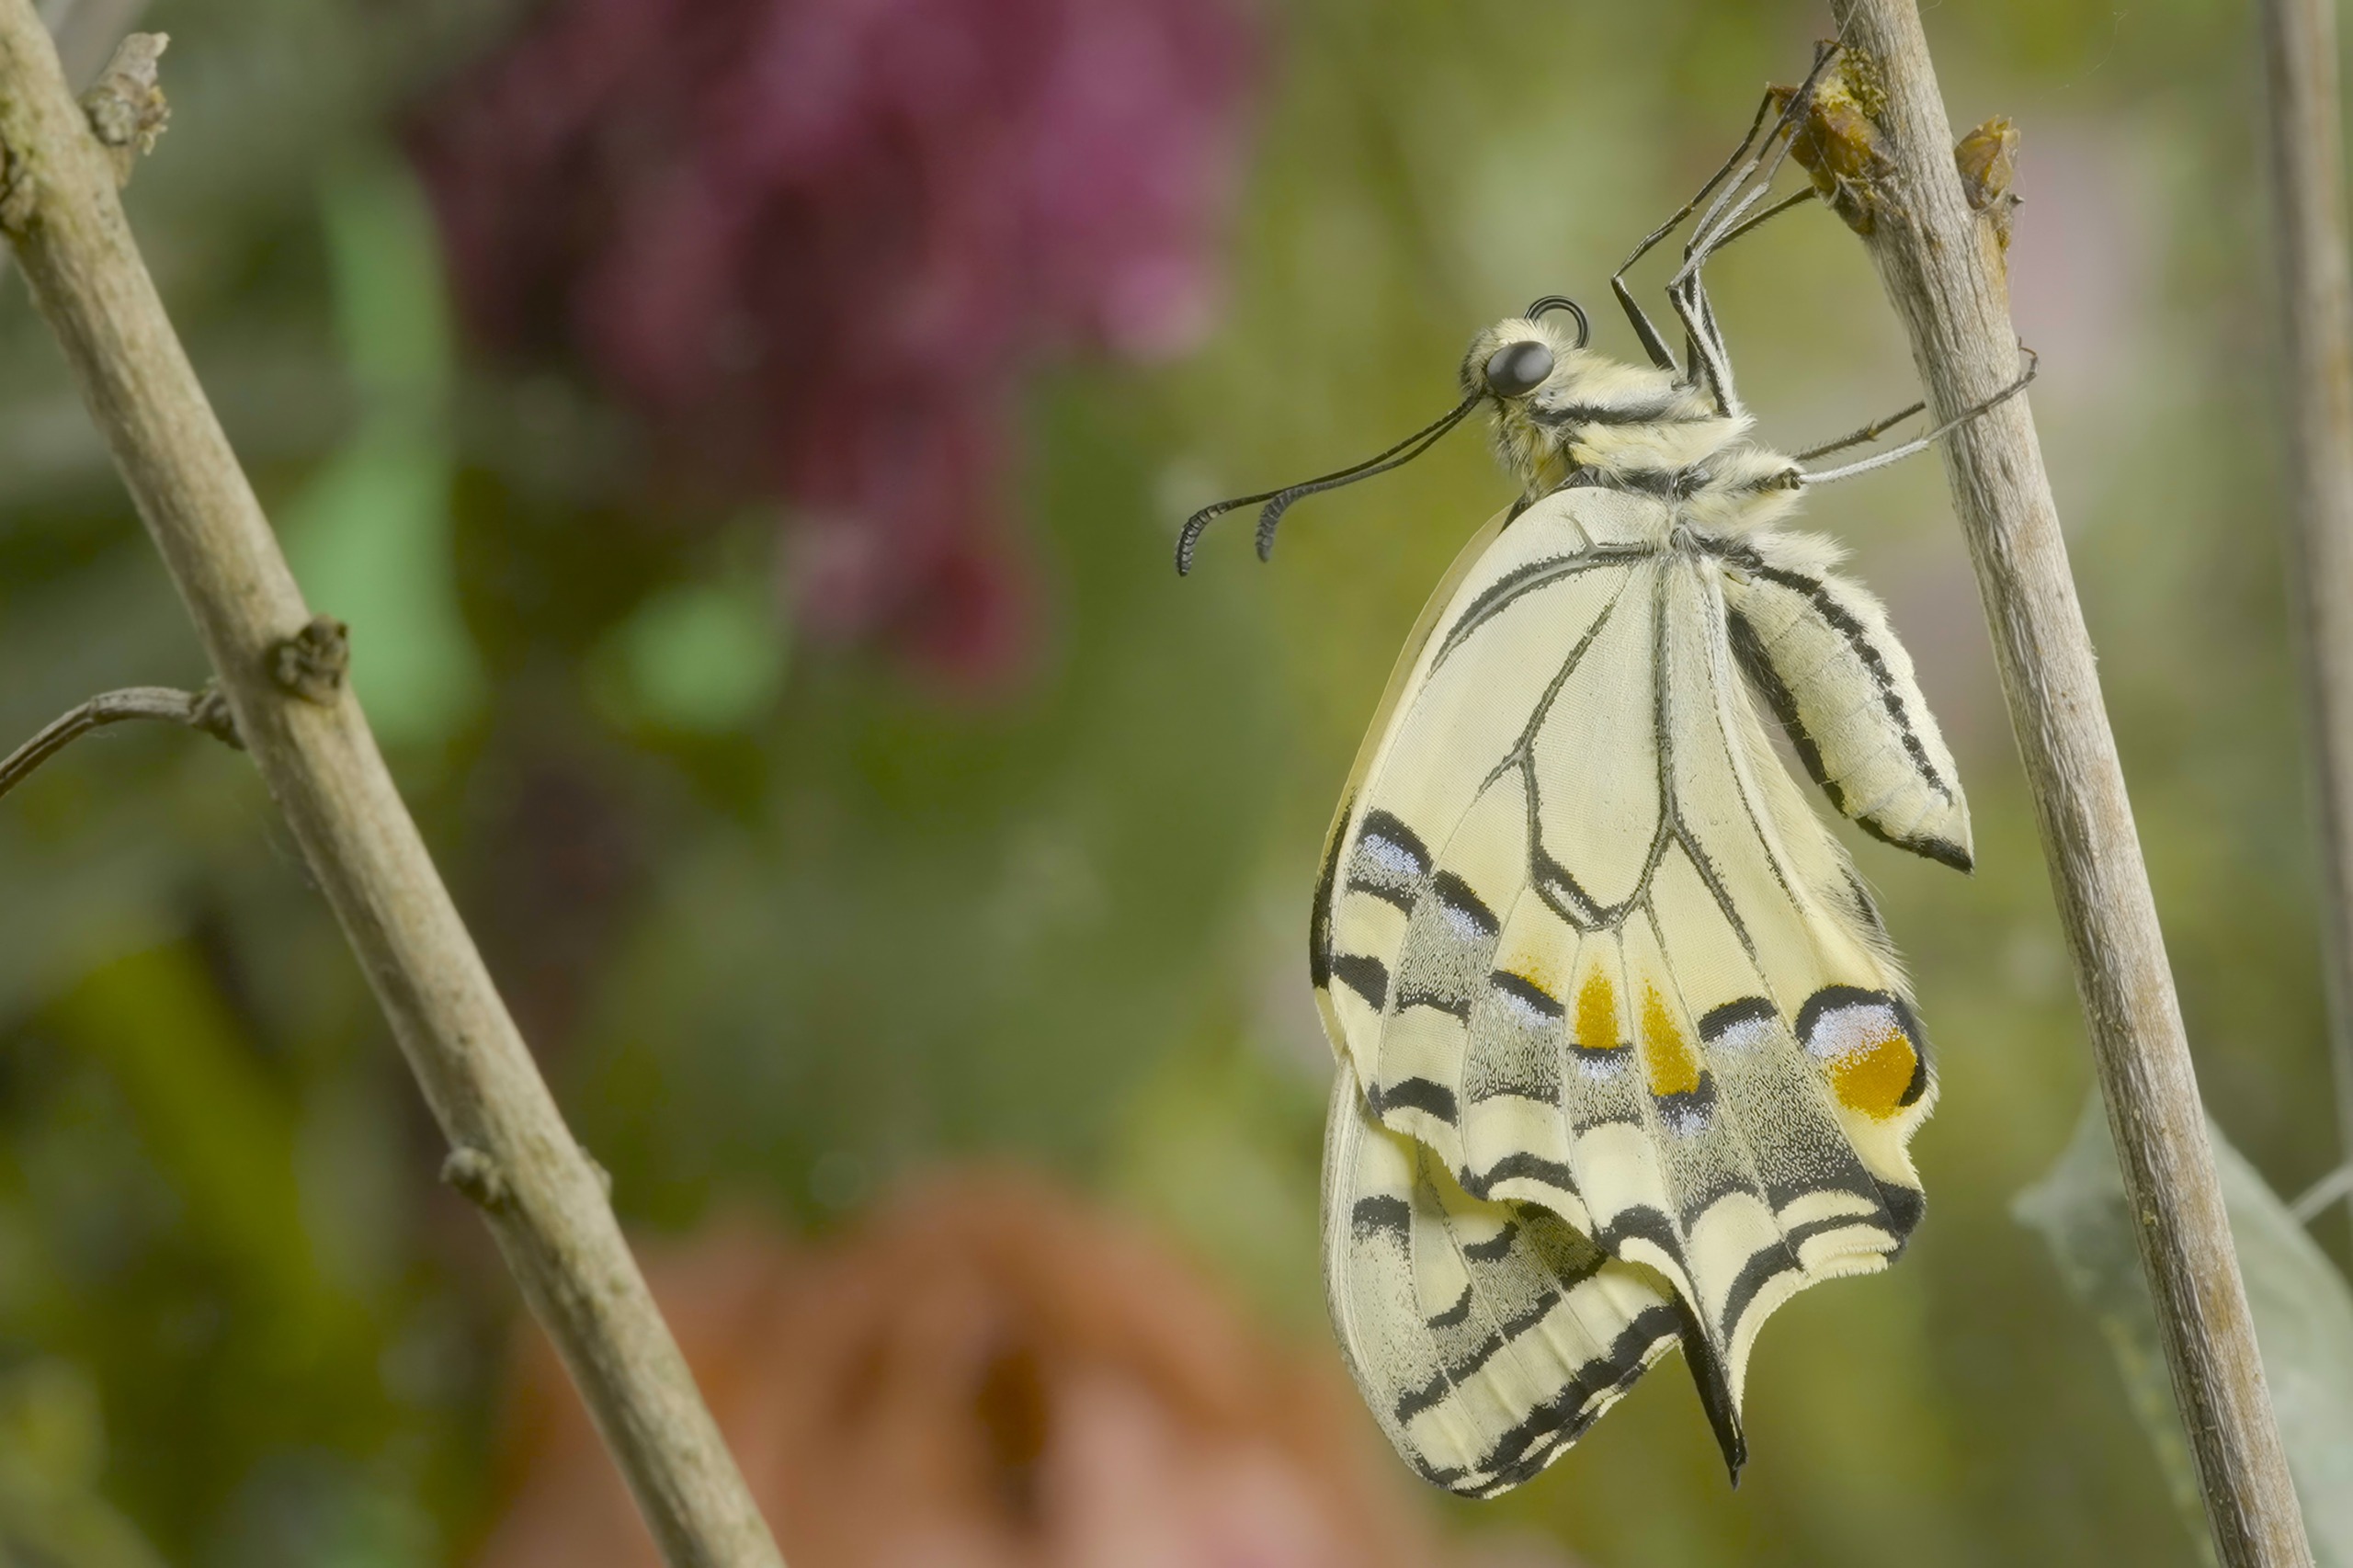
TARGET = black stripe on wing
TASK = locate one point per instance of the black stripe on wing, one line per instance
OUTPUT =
(1365, 975)
(1412, 1094)
(1522, 581)
(1525, 1449)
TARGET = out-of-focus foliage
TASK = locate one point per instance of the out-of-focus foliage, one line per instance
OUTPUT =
(785, 922)
(52, 1453)
(2304, 1321)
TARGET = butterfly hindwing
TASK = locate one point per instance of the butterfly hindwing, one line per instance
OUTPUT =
(1486, 1335)
(1584, 947)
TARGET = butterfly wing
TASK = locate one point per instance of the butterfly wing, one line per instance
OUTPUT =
(1581, 939)
(1486, 1336)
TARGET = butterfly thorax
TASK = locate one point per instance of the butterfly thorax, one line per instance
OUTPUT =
(1592, 420)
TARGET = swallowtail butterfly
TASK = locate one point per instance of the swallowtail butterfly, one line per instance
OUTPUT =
(1626, 1057)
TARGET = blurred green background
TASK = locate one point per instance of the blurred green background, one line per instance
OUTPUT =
(785, 918)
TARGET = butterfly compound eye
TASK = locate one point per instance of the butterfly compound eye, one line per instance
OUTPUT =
(1518, 368)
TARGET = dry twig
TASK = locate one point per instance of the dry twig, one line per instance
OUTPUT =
(206, 710)
(281, 671)
(2305, 126)
(1941, 262)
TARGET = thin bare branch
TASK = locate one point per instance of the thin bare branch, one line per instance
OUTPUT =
(205, 711)
(1941, 264)
(281, 670)
(2306, 126)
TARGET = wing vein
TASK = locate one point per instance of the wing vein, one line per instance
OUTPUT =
(1500, 595)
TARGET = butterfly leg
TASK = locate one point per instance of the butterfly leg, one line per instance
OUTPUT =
(1703, 341)
(1652, 344)
(1728, 217)
(1871, 432)
(1921, 443)
(1796, 198)
(1707, 361)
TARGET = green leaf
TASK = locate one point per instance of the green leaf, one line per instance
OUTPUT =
(2303, 1320)
(371, 536)
(704, 657)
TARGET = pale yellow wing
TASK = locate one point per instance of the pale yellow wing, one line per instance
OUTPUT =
(1579, 936)
(1486, 1336)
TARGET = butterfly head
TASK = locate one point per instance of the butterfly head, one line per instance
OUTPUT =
(1559, 406)
(1520, 356)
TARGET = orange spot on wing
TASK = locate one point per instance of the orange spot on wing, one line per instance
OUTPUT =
(1672, 1066)
(1597, 1015)
(1873, 1078)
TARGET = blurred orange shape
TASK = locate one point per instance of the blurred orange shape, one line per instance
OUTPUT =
(984, 1375)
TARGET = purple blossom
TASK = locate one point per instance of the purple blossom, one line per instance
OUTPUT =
(816, 244)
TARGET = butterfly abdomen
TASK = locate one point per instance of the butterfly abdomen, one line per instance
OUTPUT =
(1819, 650)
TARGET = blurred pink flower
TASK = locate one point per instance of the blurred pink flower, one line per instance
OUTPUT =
(815, 244)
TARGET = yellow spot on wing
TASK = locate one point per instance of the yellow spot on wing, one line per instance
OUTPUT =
(1872, 1078)
(1597, 1015)
(1671, 1065)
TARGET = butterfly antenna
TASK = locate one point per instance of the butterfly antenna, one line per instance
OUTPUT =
(1276, 502)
